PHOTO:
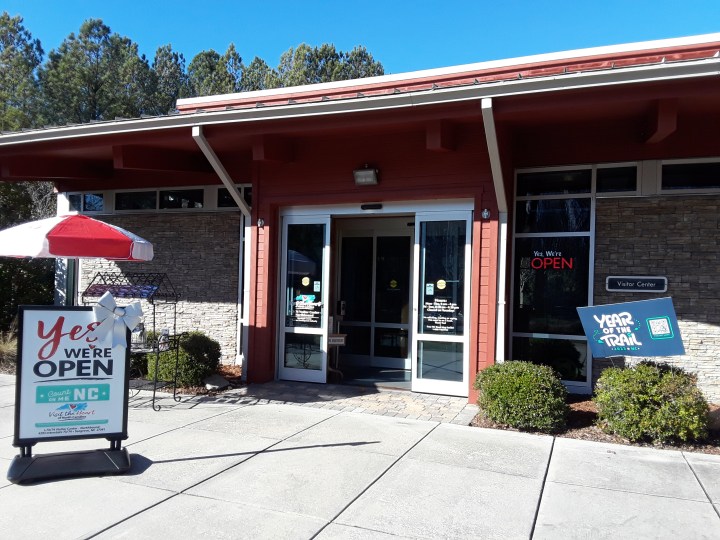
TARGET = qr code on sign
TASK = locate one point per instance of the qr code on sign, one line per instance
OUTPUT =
(660, 328)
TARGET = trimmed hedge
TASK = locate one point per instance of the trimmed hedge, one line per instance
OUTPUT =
(198, 358)
(523, 395)
(654, 402)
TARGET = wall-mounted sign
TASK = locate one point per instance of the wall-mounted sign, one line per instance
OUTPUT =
(648, 284)
(644, 328)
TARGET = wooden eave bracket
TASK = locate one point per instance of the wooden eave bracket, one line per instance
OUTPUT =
(272, 148)
(439, 136)
(663, 120)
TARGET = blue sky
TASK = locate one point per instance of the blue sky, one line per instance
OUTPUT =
(404, 36)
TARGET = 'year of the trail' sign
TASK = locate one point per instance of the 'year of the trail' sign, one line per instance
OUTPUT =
(644, 328)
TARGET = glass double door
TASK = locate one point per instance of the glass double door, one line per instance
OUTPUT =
(401, 296)
(374, 292)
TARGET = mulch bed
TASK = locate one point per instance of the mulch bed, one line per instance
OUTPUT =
(231, 373)
(581, 425)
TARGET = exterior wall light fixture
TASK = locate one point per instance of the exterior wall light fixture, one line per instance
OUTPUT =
(260, 223)
(485, 214)
(366, 176)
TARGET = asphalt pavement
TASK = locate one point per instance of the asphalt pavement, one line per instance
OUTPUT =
(256, 467)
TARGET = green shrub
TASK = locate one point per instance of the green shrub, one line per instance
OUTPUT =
(523, 395)
(138, 365)
(198, 358)
(653, 402)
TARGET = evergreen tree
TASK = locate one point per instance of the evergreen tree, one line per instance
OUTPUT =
(257, 75)
(24, 281)
(20, 57)
(169, 79)
(358, 64)
(211, 74)
(311, 65)
(96, 75)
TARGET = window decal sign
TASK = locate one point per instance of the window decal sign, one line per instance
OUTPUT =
(551, 260)
(308, 311)
(644, 328)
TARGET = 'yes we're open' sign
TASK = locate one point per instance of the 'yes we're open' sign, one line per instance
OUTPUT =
(71, 381)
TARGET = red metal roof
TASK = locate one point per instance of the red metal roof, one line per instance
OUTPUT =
(473, 74)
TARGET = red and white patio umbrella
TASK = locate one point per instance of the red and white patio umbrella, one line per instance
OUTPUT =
(74, 236)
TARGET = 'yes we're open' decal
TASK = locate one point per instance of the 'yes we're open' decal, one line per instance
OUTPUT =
(72, 381)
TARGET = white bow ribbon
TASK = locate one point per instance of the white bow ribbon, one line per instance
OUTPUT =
(115, 318)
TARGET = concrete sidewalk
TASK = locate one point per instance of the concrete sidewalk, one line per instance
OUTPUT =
(256, 469)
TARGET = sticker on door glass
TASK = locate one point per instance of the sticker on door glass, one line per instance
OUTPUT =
(305, 281)
(429, 289)
(441, 284)
(316, 286)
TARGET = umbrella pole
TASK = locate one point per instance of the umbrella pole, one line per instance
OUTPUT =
(71, 280)
(156, 346)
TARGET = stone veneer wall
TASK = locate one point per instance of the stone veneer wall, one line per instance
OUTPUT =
(677, 237)
(199, 253)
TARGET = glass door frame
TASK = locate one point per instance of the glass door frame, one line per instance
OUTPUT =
(296, 374)
(436, 386)
(325, 213)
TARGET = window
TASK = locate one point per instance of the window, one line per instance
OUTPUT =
(181, 198)
(197, 198)
(225, 200)
(617, 179)
(93, 202)
(86, 202)
(551, 280)
(75, 202)
(569, 356)
(695, 176)
(552, 265)
(552, 215)
(136, 200)
(554, 182)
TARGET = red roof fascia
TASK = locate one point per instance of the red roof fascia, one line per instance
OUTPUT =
(415, 84)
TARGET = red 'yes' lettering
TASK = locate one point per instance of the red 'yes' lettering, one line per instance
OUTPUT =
(56, 333)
